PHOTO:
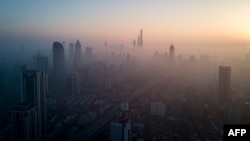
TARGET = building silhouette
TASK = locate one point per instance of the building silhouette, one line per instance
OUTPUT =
(140, 39)
(57, 80)
(58, 58)
(78, 54)
(171, 52)
(224, 83)
(71, 56)
(41, 62)
(73, 84)
(157, 109)
(24, 126)
(88, 55)
(33, 92)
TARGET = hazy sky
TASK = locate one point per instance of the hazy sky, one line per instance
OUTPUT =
(119, 21)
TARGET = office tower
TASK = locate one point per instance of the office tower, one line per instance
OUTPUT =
(157, 109)
(23, 121)
(120, 129)
(88, 54)
(78, 50)
(134, 43)
(33, 92)
(224, 82)
(171, 52)
(71, 54)
(58, 58)
(41, 62)
(73, 84)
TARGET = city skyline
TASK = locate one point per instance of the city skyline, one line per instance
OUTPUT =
(192, 22)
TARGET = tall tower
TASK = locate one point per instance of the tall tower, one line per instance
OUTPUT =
(171, 52)
(224, 82)
(78, 50)
(141, 40)
(58, 57)
(33, 92)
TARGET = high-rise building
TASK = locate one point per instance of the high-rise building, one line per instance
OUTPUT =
(140, 39)
(88, 54)
(41, 62)
(171, 52)
(33, 92)
(23, 121)
(78, 50)
(73, 84)
(141, 35)
(224, 82)
(58, 58)
(120, 130)
(71, 54)
(157, 109)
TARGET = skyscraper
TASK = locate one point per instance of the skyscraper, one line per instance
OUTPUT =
(224, 83)
(73, 84)
(57, 79)
(88, 54)
(171, 52)
(120, 129)
(140, 39)
(23, 121)
(41, 62)
(71, 54)
(33, 92)
(58, 57)
(78, 50)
